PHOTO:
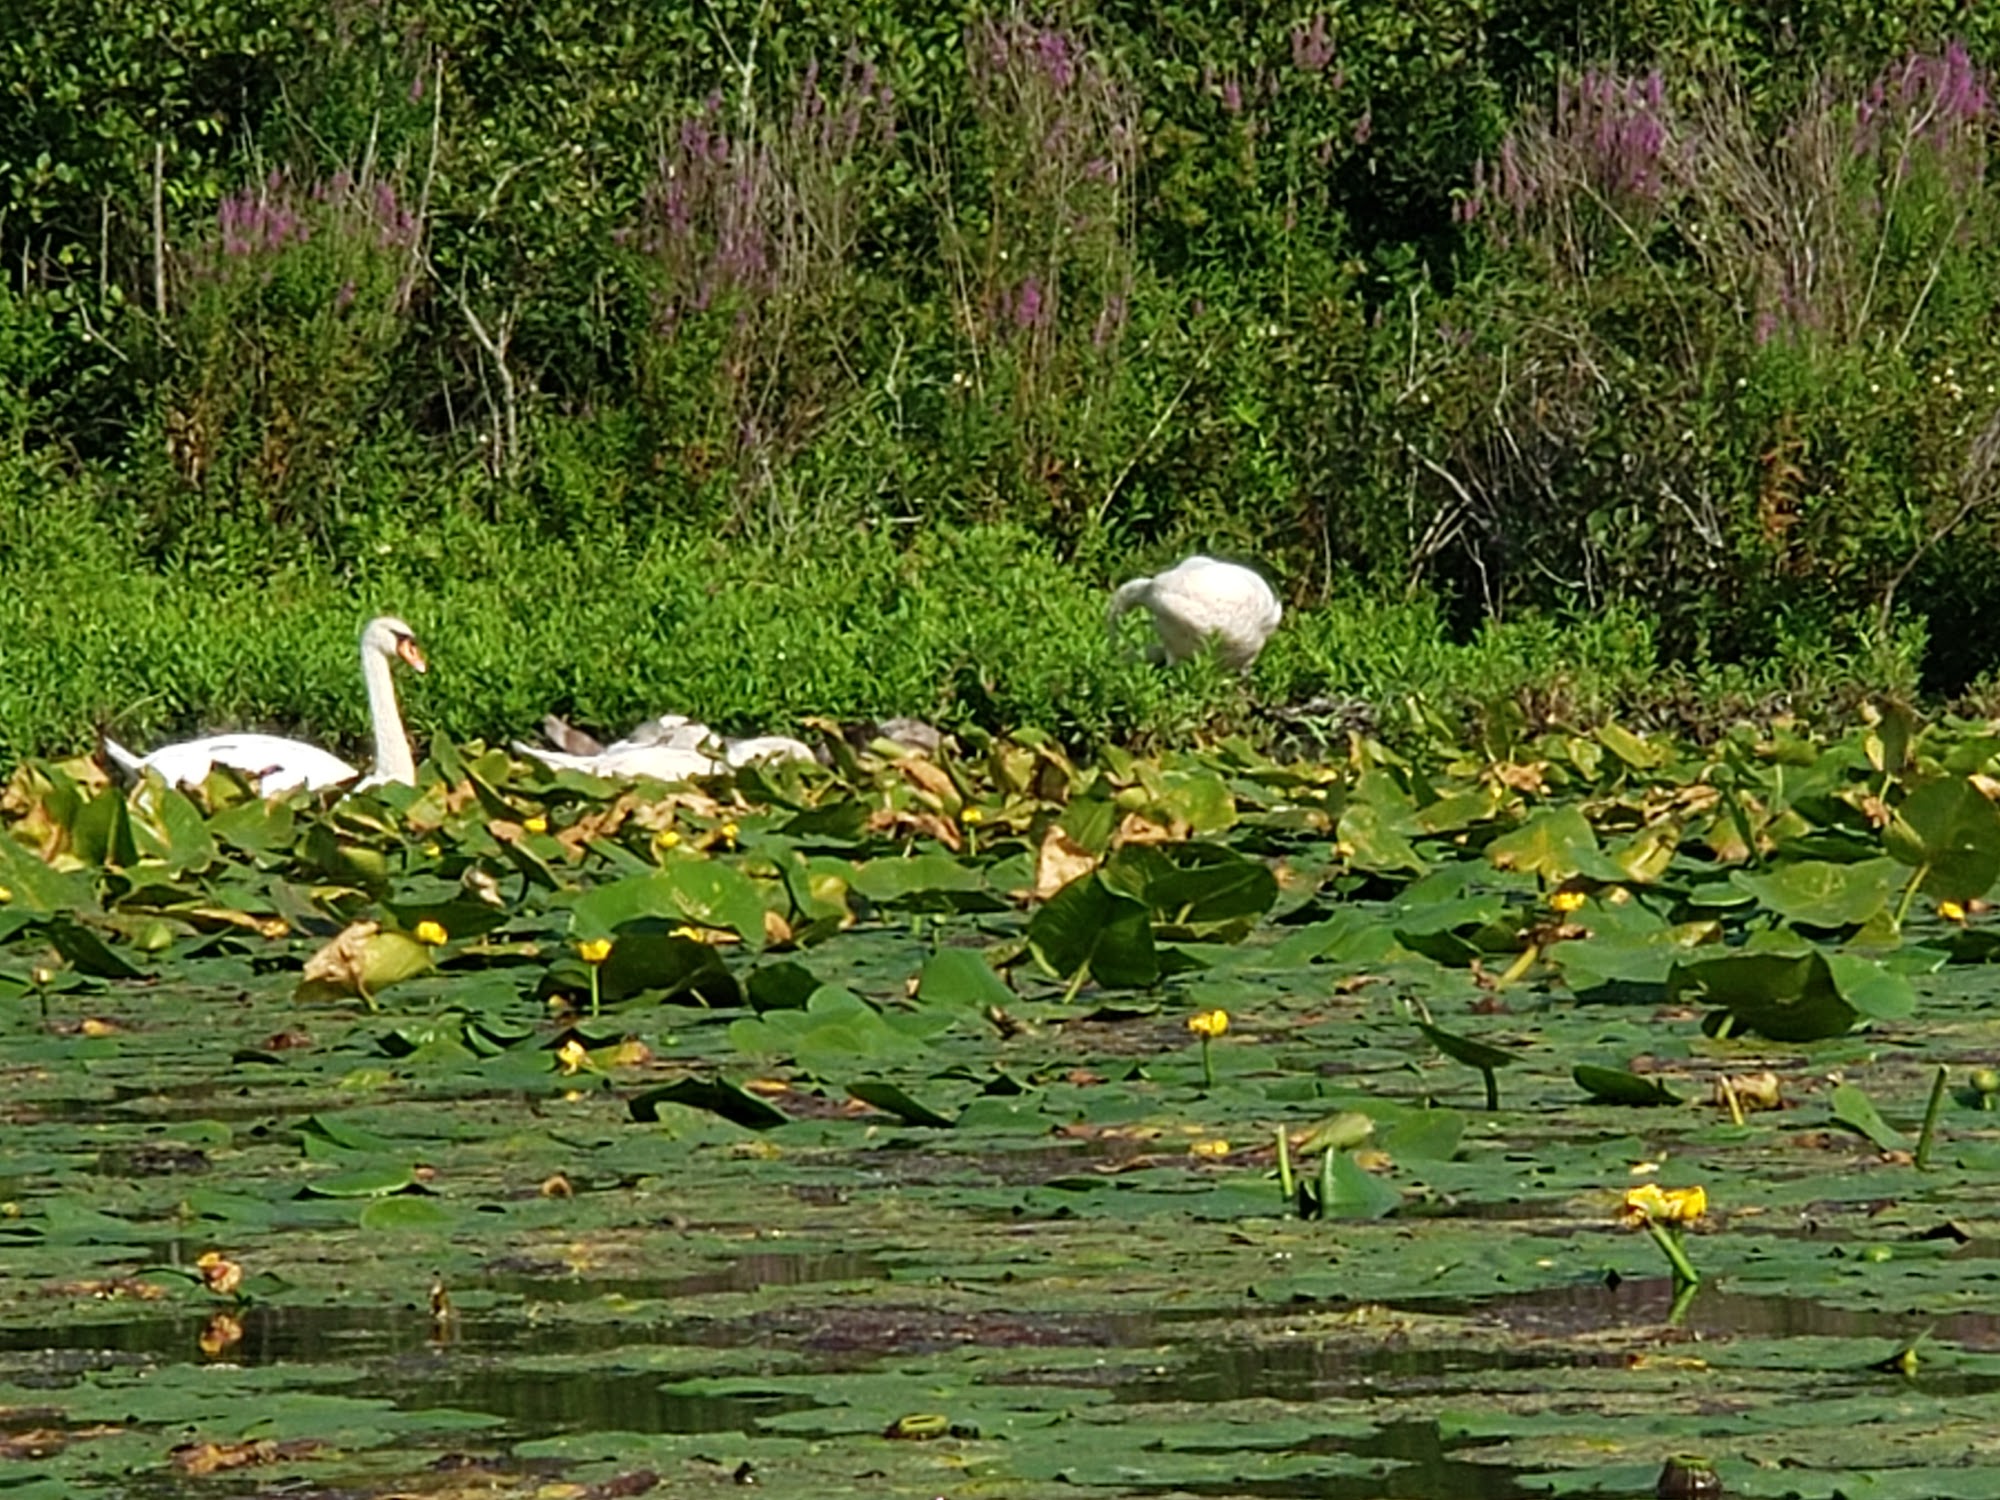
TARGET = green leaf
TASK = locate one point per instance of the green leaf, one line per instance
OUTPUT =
(1555, 844)
(960, 976)
(1946, 828)
(33, 886)
(1358, 1193)
(1087, 927)
(892, 1100)
(1796, 996)
(694, 892)
(1819, 893)
(1616, 1086)
(1464, 1049)
(373, 1181)
(715, 1095)
(1853, 1108)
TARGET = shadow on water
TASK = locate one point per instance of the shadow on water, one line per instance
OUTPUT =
(1419, 1465)
(1714, 1312)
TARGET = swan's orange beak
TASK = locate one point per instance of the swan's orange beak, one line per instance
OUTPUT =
(411, 652)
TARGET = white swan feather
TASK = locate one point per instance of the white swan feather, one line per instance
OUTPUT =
(1199, 600)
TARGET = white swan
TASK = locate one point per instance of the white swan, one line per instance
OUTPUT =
(1200, 599)
(669, 748)
(275, 764)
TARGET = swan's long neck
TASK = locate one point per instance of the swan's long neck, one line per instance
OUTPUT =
(394, 761)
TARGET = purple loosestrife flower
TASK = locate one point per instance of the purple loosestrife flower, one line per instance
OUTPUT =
(1312, 49)
(1028, 304)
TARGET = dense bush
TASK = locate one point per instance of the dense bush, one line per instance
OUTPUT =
(1424, 302)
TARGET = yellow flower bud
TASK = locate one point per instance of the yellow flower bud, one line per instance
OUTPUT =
(971, 815)
(1951, 911)
(572, 1055)
(667, 840)
(1209, 1148)
(594, 950)
(430, 934)
(1566, 902)
(728, 832)
(1210, 1023)
(536, 824)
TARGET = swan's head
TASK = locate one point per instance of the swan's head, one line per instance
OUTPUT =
(389, 636)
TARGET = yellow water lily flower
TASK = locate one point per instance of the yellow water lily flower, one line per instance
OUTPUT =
(594, 950)
(536, 824)
(971, 815)
(1566, 902)
(572, 1055)
(1951, 911)
(1209, 1023)
(729, 832)
(1653, 1204)
(430, 934)
(1213, 1148)
(667, 840)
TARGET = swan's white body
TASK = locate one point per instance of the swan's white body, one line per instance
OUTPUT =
(671, 748)
(277, 765)
(1201, 599)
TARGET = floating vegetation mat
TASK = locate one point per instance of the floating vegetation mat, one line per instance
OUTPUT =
(989, 1125)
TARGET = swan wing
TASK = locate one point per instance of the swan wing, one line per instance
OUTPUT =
(272, 762)
(629, 763)
(766, 747)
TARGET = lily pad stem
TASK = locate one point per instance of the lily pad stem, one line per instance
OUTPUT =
(1923, 1157)
(1207, 1065)
(1492, 1090)
(1287, 1184)
(593, 988)
(1729, 1097)
(1910, 894)
(1670, 1246)
(1519, 966)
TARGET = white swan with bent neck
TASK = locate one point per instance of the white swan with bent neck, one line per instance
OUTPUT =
(275, 764)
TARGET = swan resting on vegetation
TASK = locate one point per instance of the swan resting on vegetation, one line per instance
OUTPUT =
(274, 764)
(1200, 599)
(669, 748)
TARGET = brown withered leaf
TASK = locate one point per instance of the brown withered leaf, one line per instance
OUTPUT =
(110, 1288)
(903, 820)
(622, 1486)
(929, 779)
(1059, 861)
(1139, 828)
(35, 1443)
(196, 1459)
(361, 960)
(601, 823)
(1754, 1091)
(1519, 777)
